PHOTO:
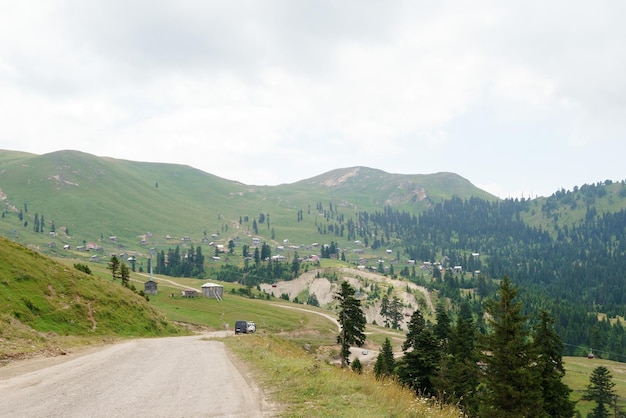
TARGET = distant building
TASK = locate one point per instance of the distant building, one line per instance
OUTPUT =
(212, 290)
(150, 287)
(189, 293)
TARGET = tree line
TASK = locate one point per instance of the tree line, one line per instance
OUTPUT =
(511, 370)
(574, 270)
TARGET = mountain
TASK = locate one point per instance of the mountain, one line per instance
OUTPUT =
(567, 252)
(95, 198)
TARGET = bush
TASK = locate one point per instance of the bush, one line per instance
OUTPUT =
(357, 367)
(82, 267)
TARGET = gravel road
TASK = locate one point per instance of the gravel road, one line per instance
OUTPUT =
(161, 377)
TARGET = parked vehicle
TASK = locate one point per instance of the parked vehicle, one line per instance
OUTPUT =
(241, 327)
(251, 327)
(244, 327)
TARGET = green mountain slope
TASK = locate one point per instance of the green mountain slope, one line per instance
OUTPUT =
(41, 299)
(90, 199)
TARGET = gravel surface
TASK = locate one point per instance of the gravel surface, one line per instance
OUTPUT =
(161, 377)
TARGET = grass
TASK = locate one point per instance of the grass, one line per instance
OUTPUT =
(47, 305)
(578, 371)
(308, 387)
(94, 198)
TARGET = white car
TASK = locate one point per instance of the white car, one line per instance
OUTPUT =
(251, 327)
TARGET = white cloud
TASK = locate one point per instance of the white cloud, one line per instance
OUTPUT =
(273, 92)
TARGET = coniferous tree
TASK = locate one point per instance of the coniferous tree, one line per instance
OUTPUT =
(114, 266)
(257, 256)
(395, 313)
(266, 251)
(463, 369)
(384, 307)
(442, 332)
(356, 366)
(601, 391)
(510, 379)
(548, 348)
(124, 274)
(295, 264)
(442, 326)
(352, 321)
(385, 362)
(418, 366)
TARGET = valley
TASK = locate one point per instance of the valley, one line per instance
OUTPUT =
(426, 243)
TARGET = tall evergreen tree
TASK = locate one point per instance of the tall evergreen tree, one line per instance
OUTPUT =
(384, 307)
(442, 328)
(124, 274)
(442, 332)
(463, 368)
(601, 391)
(352, 321)
(394, 313)
(549, 348)
(418, 366)
(114, 266)
(385, 362)
(510, 379)
(295, 264)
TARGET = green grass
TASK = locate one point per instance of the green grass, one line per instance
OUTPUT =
(306, 387)
(578, 371)
(95, 198)
(43, 302)
(49, 306)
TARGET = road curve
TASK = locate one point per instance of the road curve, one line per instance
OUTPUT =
(160, 377)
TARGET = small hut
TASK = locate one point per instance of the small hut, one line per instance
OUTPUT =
(189, 293)
(150, 287)
(212, 290)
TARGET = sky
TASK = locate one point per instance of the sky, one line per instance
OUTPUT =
(521, 98)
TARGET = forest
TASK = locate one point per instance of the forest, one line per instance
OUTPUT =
(577, 273)
(573, 270)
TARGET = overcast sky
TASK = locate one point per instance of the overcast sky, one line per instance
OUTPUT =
(519, 97)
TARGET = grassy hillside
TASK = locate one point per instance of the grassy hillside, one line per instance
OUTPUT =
(572, 207)
(92, 199)
(48, 305)
(43, 304)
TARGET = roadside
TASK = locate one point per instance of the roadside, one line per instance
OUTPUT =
(160, 377)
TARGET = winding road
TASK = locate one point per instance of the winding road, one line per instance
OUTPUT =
(160, 377)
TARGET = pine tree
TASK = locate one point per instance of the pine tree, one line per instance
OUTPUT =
(548, 348)
(356, 366)
(124, 274)
(463, 369)
(442, 326)
(384, 308)
(418, 366)
(114, 266)
(442, 332)
(395, 313)
(510, 380)
(385, 362)
(352, 321)
(601, 391)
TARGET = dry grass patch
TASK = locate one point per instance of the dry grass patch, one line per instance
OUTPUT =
(305, 386)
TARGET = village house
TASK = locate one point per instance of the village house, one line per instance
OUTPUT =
(150, 287)
(212, 290)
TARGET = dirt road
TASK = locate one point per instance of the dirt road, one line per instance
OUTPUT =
(164, 377)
